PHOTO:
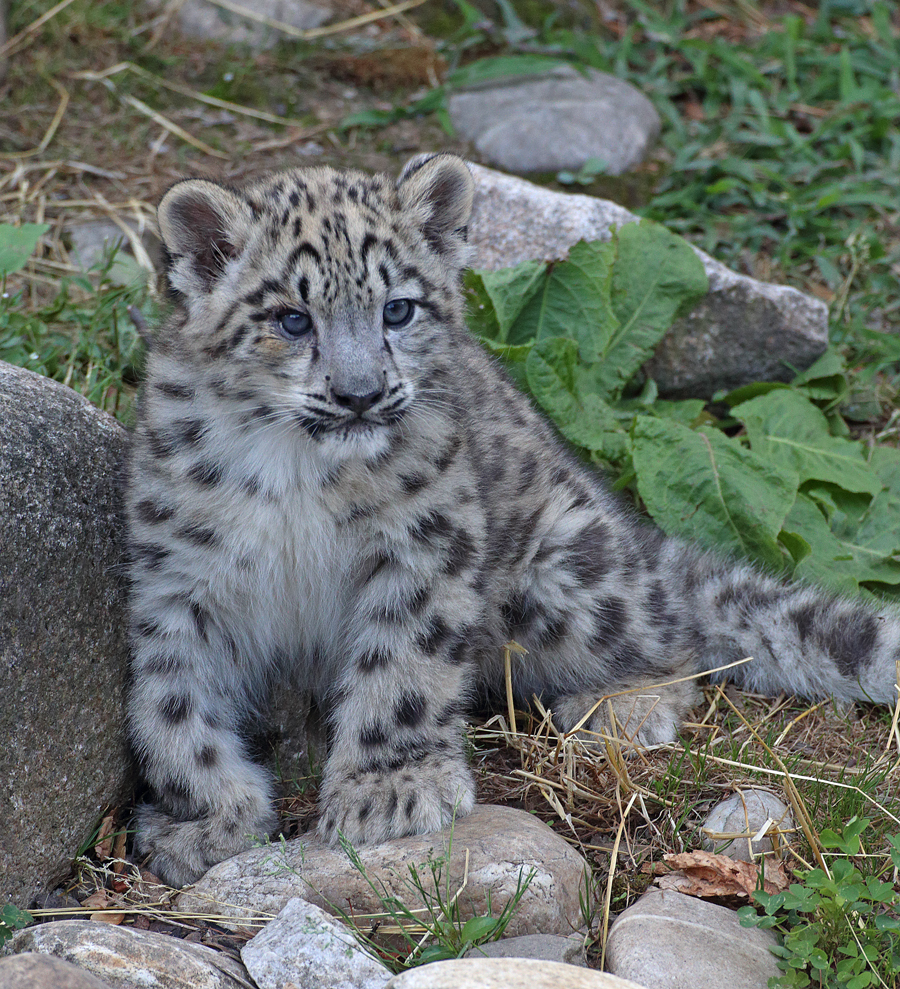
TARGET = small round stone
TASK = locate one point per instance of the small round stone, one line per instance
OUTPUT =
(733, 826)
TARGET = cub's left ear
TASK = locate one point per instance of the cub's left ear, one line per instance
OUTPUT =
(439, 189)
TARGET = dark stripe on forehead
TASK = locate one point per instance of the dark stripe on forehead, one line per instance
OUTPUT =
(368, 243)
(304, 249)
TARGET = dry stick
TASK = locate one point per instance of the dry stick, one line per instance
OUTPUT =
(790, 789)
(893, 734)
(51, 130)
(171, 126)
(649, 687)
(32, 27)
(508, 649)
(613, 857)
(794, 721)
(317, 32)
(192, 94)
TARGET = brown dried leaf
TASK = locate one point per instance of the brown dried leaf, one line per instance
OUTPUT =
(103, 844)
(106, 917)
(98, 900)
(706, 874)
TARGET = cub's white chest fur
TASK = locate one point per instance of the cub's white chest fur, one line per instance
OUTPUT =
(288, 563)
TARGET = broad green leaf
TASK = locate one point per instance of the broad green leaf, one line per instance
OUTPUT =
(476, 928)
(825, 380)
(513, 359)
(656, 277)
(573, 301)
(553, 374)
(786, 429)
(502, 67)
(550, 368)
(843, 561)
(705, 487)
(480, 315)
(509, 291)
(746, 392)
(17, 244)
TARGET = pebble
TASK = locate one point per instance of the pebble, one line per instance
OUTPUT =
(304, 946)
(732, 824)
(33, 971)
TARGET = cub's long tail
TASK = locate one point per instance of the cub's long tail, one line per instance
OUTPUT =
(802, 639)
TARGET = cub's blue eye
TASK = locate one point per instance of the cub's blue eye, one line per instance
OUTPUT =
(293, 324)
(399, 312)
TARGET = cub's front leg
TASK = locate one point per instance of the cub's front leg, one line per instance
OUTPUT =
(189, 698)
(397, 764)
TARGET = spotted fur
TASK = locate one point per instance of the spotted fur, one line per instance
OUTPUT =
(332, 481)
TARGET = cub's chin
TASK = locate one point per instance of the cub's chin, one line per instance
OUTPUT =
(358, 440)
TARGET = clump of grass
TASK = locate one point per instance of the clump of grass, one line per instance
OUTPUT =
(82, 337)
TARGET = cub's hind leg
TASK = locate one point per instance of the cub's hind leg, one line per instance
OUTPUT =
(604, 627)
(187, 706)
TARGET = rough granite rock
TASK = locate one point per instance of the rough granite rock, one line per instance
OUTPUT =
(744, 330)
(502, 844)
(508, 973)
(671, 941)
(62, 635)
(126, 959)
(33, 971)
(556, 120)
(304, 946)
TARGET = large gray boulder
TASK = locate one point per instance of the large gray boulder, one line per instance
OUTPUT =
(63, 755)
(744, 330)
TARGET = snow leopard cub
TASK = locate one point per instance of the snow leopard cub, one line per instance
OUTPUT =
(331, 480)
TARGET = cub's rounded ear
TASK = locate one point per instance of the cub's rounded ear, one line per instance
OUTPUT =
(439, 188)
(203, 226)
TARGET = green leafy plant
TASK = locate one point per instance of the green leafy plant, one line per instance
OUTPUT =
(585, 175)
(839, 930)
(12, 919)
(780, 481)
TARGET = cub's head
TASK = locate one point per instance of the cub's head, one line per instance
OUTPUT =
(325, 296)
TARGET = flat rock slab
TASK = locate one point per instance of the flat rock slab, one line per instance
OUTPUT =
(304, 946)
(125, 958)
(503, 846)
(744, 330)
(671, 941)
(556, 120)
(508, 973)
(33, 971)
(63, 651)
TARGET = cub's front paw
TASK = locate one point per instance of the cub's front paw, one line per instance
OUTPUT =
(183, 851)
(418, 798)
